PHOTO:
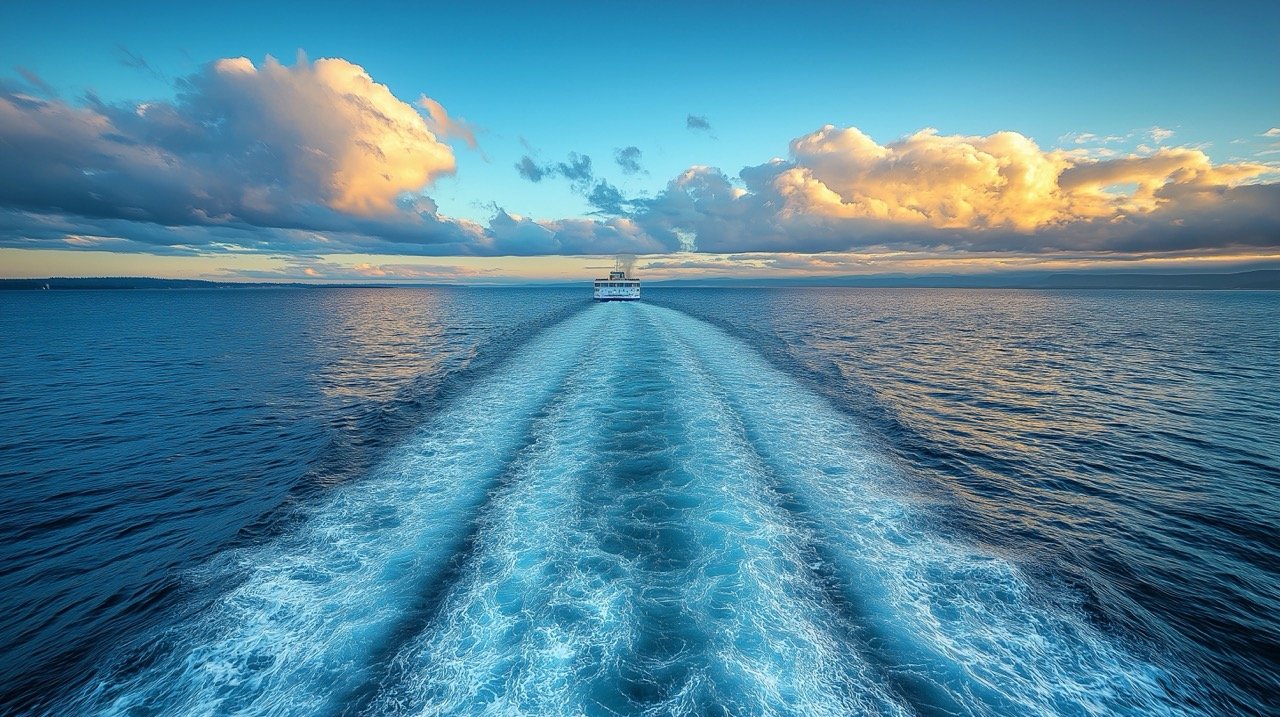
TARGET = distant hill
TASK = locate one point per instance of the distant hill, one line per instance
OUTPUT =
(142, 282)
(1260, 279)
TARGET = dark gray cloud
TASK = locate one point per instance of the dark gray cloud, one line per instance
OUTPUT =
(697, 123)
(628, 158)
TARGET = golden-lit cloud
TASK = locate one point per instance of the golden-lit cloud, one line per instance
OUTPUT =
(363, 145)
(317, 159)
(444, 125)
(999, 181)
(316, 145)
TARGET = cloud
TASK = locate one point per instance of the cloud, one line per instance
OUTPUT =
(511, 234)
(316, 145)
(1160, 134)
(697, 123)
(576, 169)
(439, 121)
(841, 190)
(530, 169)
(628, 158)
(1273, 132)
(1090, 138)
(601, 196)
(417, 271)
(36, 81)
(319, 159)
(306, 160)
(1001, 180)
(310, 268)
(607, 199)
(135, 61)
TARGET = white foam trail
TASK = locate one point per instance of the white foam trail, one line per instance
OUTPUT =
(312, 608)
(528, 611)
(962, 627)
(566, 598)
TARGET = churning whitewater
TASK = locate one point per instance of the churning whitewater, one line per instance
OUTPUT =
(634, 514)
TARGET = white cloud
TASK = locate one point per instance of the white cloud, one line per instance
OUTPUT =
(841, 189)
(241, 143)
(329, 120)
(318, 158)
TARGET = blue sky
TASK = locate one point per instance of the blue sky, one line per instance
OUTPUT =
(544, 82)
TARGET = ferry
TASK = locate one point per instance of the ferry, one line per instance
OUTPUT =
(618, 287)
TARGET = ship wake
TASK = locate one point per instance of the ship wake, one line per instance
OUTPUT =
(636, 514)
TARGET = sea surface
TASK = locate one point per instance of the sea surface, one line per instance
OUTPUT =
(712, 502)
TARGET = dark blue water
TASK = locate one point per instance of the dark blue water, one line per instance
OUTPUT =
(508, 501)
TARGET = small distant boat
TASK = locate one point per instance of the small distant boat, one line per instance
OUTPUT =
(618, 287)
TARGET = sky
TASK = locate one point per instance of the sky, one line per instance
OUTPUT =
(489, 144)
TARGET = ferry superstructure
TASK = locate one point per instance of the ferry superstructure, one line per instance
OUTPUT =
(618, 287)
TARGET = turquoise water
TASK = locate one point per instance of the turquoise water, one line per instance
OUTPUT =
(711, 502)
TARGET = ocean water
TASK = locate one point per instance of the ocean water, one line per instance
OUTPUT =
(738, 502)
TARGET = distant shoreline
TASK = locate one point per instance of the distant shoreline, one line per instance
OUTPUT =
(1261, 279)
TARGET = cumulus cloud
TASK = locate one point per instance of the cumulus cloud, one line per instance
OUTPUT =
(328, 121)
(271, 145)
(317, 158)
(1273, 132)
(840, 189)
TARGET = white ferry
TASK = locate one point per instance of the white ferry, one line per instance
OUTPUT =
(618, 287)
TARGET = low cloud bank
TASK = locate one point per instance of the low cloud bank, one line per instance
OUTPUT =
(317, 158)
